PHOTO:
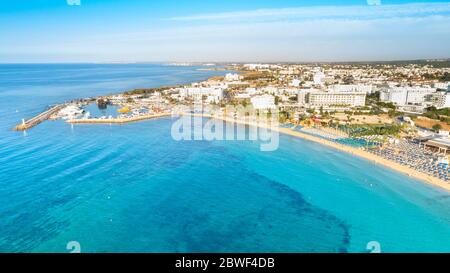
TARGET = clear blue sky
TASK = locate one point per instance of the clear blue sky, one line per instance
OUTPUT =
(231, 30)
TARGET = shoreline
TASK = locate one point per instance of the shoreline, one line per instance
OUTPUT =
(426, 178)
(25, 124)
(423, 177)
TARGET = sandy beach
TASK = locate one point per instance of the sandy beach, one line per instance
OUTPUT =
(354, 151)
(371, 157)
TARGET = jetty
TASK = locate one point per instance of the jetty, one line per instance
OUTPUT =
(27, 124)
(118, 120)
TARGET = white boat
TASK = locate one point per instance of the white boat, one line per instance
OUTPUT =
(70, 112)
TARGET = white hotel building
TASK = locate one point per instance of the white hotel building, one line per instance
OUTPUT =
(442, 85)
(403, 96)
(230, 77)
(352, 88)
(212, 94)
(439, 100)
(263, 102)
(318, 77)
(336, 100)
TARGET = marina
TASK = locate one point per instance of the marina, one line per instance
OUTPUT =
(118, 120)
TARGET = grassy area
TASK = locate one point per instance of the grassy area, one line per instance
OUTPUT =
(143, 91)
(256, 75)
(438, 114)
(371, 130)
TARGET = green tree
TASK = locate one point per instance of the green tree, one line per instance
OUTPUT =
(437, 127)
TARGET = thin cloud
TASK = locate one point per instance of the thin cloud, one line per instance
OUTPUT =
(382, 11)
(435, 25)
(408, 31)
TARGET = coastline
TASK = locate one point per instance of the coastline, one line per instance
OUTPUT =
(287, 131)
(423, 177)
(341, 147)
(30, 123)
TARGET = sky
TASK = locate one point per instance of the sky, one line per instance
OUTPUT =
(41, 31)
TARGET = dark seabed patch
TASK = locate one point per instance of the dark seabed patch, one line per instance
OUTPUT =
(245, 212)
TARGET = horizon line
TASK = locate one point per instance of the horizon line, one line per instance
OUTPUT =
(229, 62)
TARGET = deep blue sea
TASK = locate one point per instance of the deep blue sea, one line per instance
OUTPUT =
(132, 188)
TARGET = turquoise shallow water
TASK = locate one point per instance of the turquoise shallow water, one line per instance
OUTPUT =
(131, 188)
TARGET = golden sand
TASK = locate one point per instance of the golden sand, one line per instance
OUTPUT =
(373, 158)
